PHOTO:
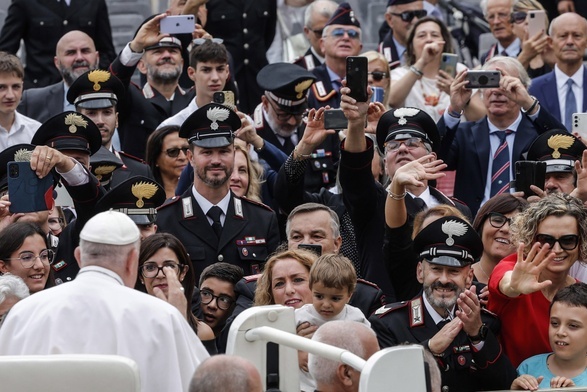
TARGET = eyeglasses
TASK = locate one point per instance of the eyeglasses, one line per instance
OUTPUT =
(410, 143)
(56, 222)
(519, 17)
(567, 242)
(151, 269)
(378, 75)
(27, 259)
(499, 15)
(339, 33)
(407, 16)
(224, 302)
(284, 116)
(498, 220)
(174, 152)
(318, 33)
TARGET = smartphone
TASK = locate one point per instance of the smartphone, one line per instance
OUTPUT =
(335, 119)
(26, 191)
(536, 22)
(580, 124)
(448, 63)
(316, 248)
(356, 77)
(483, 79)
(378, 94)
(530, 173)
(178, 24)
(225, 98)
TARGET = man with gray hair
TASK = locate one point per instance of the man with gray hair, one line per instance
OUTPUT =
(12, 290)
(355, 337)
(484, 152)
(226, 373)
(100, 312)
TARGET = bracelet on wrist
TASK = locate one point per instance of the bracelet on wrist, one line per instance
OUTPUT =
(298, 155)
(433, 353)
(532, 107)
(416, 71)
(453, 113)
(395, 196)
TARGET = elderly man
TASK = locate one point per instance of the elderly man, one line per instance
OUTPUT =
(562, 92)
(341, 37)
(400, 17)
(331, 376)
(12, 290)
(315, 18)
(226, 373)
(447, 319)
(105, 315)
(498, 15)
(75, 54)
(484, 152)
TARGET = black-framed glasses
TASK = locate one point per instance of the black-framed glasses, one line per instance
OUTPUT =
(498, 220)
(410, 143)
(224, 302)
(408, 16)
(318, 33)
(27, 259)
(519, 17)
(567, 242)
(151, 269)
(174, 152)
(285, 116)
(378, 75)
(339, 33)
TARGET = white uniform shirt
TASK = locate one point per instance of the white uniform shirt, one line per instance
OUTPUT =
(97, 314)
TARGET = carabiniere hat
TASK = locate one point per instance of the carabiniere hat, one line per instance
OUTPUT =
(96, 89)
(404, 123)
(448, 241)
(212, 125)
(69, 131)
(558, 148)
(344, 15)
(287, 85)
(166, 42)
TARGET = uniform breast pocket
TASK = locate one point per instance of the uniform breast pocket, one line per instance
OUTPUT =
(224, 15)
(250, 253)
(196, 253)
(42, 27)
(86, 24)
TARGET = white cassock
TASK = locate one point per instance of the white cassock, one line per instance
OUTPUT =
(97, 314)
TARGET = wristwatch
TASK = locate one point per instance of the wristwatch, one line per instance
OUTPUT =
(481, 335)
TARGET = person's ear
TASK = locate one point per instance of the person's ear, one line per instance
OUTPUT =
(77, 253)
(469, 279)
(337, 244)
(142, 67)
(3, 267)
(420, 272)
(344, 374)
(192, 73)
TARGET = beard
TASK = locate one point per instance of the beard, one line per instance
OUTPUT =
(214, 182)
(281, 130)
(70, 74)
(164, 76)
(444, 302)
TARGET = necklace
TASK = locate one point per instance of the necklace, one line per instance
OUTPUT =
(482, 270)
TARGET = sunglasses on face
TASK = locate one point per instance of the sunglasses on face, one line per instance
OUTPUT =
(339, 33)
(498, 220)
(378, 75)
(407, 16)
(174, 152)
(567, 242)
(519, 17)
(318, 33)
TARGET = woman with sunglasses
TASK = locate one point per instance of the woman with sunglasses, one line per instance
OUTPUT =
(166, 156)
(379, 74)
(492, 223)
(551, 235)
(536, 55)
(24, 252)
(165, 271)
(421, 83)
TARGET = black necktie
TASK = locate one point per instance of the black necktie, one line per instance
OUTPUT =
(504, 53)
(420, 204)
(288, 145)
(214, 213)
(442, 323)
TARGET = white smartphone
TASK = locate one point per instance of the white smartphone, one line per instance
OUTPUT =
(580, 124)
(179, 24)
(536, 22)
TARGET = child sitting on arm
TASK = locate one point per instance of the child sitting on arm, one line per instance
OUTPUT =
(566, 366)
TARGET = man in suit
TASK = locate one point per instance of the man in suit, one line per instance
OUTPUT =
(41, 24)
(315, 16)
(568, 33)
(341, 37)
(75, 54)
(447, 317)
(498, 15)
(213, 223)
(400, 16)
(96, 94)
(484, 152)
(161, 61)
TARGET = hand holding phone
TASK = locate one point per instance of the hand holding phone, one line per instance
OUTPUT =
(27, 192)
(530, 173)
(177, 24)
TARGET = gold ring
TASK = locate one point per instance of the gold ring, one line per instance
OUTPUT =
(47, 158)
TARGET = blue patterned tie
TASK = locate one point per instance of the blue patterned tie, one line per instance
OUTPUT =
(500, 170)
(570, 105)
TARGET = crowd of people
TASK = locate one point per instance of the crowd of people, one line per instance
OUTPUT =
(220, 184)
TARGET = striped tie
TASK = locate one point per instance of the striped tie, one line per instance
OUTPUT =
(500, 170)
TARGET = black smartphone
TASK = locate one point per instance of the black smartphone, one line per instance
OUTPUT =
(356, 77)
(530, 173)
(335, 119)
(316, 248)
(26, 191)
(483, 79)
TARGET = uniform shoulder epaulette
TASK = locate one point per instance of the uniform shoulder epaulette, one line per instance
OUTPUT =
(368, 283)
(394, 64)
(132, 157)
(252, 278)
(320, 92)
(385, 309)
(455, 200)
(169, 202)
(257, 203)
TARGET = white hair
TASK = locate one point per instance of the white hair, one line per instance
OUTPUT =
(483, 6)
(323, 8)
(12, 286)
(93, 253)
